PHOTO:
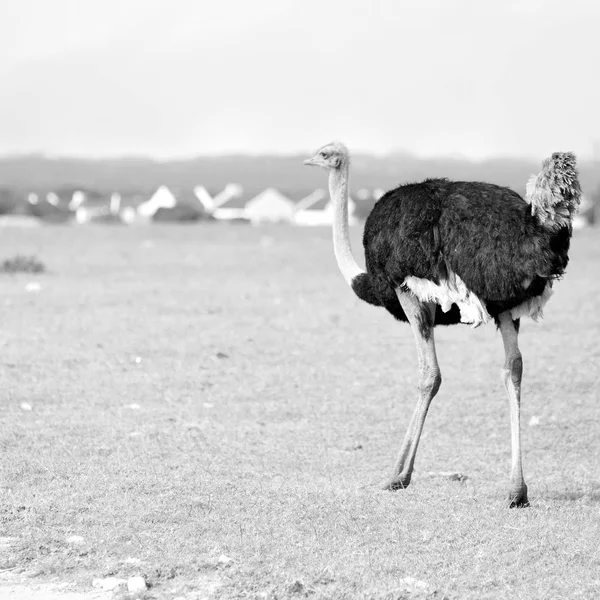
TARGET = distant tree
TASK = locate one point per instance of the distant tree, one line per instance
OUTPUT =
(8, 201)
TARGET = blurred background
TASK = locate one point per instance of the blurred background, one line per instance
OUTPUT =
(140, 110)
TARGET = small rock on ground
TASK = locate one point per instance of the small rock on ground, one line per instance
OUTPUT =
(136, 585)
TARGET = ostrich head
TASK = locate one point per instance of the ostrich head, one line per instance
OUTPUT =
(331, 156)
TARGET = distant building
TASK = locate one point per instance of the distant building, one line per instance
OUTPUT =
(95, 207)
(77, 199)
(208, 200)
(50, 206)
(316, 209)
(188, 207)
(14, 210)
(587, 213)
(270, 206)
(230, 204)
(129, 204)
(162, 198)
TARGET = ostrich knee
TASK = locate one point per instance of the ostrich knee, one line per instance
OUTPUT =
(430, 382)
(512, 372)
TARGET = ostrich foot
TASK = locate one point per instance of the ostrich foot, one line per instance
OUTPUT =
(398, 482)
(517, 497)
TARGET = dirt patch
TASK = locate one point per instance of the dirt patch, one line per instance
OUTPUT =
(13, 587)
(16, 587)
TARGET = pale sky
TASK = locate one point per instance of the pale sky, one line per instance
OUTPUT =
(176, 78)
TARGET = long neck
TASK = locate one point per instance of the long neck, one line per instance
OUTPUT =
(338, 189)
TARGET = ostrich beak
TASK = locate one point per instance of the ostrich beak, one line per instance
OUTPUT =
(311, 162)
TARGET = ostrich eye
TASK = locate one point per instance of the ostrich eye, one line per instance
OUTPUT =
(323, 154)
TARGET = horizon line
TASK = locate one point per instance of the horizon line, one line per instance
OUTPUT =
(51, 156)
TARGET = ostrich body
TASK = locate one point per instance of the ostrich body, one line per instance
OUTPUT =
(442, 252)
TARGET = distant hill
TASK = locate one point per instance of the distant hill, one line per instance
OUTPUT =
(36, 172)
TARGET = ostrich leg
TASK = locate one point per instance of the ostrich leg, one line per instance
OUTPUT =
(511, 377)
(421, 317)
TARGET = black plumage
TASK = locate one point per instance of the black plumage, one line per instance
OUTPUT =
(484, 233)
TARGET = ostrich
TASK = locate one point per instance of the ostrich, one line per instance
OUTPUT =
(442, 252)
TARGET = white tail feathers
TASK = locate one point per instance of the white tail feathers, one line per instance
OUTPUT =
(555, 193)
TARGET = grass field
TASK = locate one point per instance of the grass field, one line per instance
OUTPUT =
(199, 391)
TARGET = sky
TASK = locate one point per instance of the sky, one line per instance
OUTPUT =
(178, 78)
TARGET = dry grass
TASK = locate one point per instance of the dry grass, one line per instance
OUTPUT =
(270, 402)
